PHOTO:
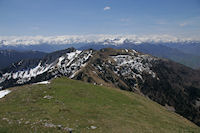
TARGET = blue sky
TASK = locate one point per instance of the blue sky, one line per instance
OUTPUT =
(70, 17)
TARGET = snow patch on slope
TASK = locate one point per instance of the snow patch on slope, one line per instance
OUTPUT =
(60, 60)
(73, 54)
(4, 93)
(42, 83)
(133, 65)
(77, 63)
(73, 62)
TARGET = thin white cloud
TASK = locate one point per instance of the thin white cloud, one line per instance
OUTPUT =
(162, 22)
(35, 28)
(183, 24)
(193, 21)
(124, 19)
(106, 8)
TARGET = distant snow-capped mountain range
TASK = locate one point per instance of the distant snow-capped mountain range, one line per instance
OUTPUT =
(103, 39)
(181, 50)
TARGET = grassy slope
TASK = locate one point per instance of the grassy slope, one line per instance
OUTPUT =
(81, 105)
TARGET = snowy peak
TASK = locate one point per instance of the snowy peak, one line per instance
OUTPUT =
(67, 63)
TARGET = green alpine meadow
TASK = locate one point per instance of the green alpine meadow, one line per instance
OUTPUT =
(66, 105)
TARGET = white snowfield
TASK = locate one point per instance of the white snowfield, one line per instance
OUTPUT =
(43, 83)
(4, 93)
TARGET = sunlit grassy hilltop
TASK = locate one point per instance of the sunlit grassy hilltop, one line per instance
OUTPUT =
(67, 104)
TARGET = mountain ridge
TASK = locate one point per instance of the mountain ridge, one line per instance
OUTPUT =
(158, 50)
(161, 80)
(7, 57)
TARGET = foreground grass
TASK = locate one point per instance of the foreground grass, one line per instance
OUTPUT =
(66, 103)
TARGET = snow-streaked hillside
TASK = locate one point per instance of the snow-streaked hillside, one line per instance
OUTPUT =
(125, 64)
(70, 63)
(67, 65)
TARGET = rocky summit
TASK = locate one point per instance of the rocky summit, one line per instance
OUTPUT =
(168, 83)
